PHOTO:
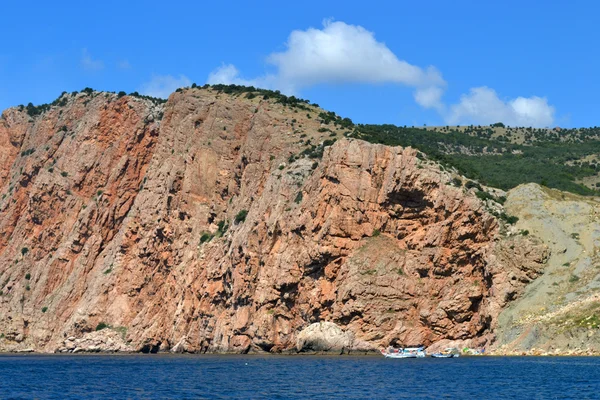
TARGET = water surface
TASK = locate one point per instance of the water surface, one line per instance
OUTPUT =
(296, 377)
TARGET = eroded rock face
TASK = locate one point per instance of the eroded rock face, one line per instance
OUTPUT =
(137, 221)
(324, 337)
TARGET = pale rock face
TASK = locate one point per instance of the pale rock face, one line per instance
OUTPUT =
(324, 337)
(130, 220)
(106, 340)
(558, 313)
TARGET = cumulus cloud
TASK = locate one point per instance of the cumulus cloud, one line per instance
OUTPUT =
(483, 106)
(338, 53)
(430, 97)
(343, 53)
(88, 63)
(228, 74)
(163, 85)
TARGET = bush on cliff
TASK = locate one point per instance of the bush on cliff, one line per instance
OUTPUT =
(241, 216)
(102, 325)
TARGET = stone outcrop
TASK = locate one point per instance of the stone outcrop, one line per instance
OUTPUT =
(212, 223)
(106, 341)
(324, 337)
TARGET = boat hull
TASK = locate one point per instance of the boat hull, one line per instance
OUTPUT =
(399, 355)
(412, 353)
(438, 355)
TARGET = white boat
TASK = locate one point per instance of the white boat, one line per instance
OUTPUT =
(407, 352)
(447, 353)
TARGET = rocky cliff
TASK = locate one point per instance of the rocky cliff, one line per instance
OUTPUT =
(224, 223)
(559, 313)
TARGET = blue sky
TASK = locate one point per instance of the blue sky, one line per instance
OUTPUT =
(401, 62)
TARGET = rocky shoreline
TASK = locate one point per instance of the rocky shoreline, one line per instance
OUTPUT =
(317, 339)
(92, 351)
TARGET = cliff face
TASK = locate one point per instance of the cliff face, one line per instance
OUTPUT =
(198, 225)
(559, 312)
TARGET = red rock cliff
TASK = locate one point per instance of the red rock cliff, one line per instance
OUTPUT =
(188, 227)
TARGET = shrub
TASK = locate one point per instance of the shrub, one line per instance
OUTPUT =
(28, 276)
(241, 216)
(484, 195)
(222, 228)
(206, 237)
(473, 184)
(64, 174)
(24, 251)
(121, 94)
(573, 278)
(44, 309)
(376, 232)
(102, 325)
(298, 198)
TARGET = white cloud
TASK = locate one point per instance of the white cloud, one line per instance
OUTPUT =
(483, 106)
(430, 97)
(163, 85)
(342, 53)
(228, 74)
(338, 53)
(88, 63)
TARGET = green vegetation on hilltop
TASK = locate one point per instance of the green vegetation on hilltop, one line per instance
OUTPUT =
(61, 101)
(252, 92)
(525, 135)
(495, 162)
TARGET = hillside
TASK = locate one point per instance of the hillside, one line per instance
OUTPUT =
(233, 219)
(558, 313)
(565, 161)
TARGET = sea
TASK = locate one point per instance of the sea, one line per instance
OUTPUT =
(156, 376)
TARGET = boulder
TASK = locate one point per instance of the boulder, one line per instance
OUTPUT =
(324, 337)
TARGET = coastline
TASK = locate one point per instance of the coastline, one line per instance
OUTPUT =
(491, 354)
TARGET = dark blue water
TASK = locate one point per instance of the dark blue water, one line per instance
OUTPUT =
(296, 377)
